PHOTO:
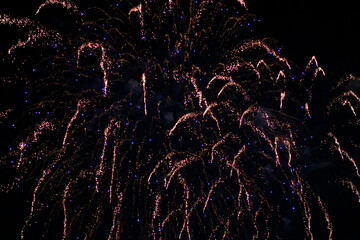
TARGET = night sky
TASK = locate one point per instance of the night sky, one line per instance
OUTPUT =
(328, 30)
(88, 120)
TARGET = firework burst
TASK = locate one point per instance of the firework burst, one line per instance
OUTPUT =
(168, 120)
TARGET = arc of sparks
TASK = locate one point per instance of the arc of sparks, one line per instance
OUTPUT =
(183, 118)
(65, 4)
(92, 45)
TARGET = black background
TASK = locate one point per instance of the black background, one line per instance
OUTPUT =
(330, 30)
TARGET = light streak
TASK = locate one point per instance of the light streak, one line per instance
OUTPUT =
(353, 188)
(65, 194)
(312, 60)
(102, 61)
(344, 153)
(211, 190)
(242, 2)
(63, 3)
(34, 36)
(327, 218)
(229, 84)
(280, 74)
(307, 110)
(319, 69)
(236, 157)
(143, 81)
(224, 78)
(282, 96)
(182, 119)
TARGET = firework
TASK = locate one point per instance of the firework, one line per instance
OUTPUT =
(168, 120)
